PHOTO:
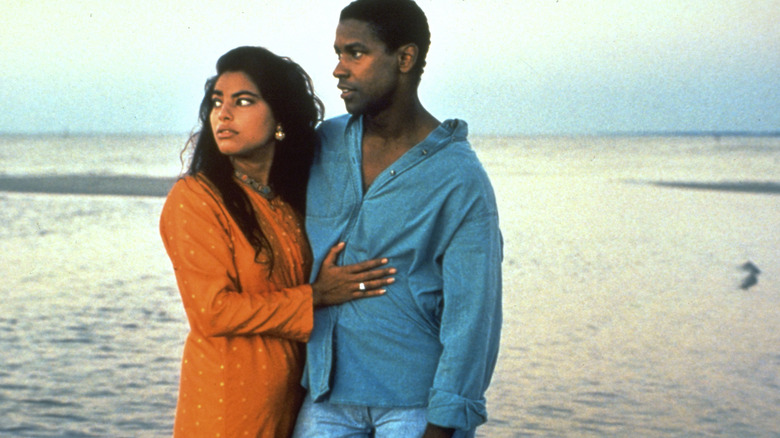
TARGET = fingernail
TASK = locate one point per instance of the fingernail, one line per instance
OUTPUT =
(390, 280)
(393, 270)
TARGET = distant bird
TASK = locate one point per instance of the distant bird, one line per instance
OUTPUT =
(752, 277)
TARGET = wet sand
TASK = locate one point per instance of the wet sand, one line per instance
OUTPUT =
(124, 185)
(88, 185)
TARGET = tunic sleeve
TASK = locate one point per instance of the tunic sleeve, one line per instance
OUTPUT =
(201, 242)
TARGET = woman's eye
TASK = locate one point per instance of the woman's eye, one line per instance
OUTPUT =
(244, 101)
(216, 103)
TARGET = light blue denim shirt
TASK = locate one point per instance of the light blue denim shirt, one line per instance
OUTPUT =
(432, 340)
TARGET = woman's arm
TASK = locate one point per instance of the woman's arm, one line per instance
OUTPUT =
(198, 238)
(195, 230)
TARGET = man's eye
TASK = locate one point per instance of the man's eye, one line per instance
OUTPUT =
(216, 103)
(243, 101)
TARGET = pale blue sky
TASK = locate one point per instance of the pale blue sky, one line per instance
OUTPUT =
(507, 67)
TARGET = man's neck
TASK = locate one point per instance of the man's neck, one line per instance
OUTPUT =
(389, 134)
(401, 125)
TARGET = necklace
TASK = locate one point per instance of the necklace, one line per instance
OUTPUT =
(264, 190)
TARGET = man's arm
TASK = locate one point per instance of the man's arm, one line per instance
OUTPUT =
(471, 317)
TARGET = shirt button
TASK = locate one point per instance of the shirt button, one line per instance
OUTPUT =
(425, 152)
(392, 172)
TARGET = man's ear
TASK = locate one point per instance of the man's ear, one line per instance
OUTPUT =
(407, 57)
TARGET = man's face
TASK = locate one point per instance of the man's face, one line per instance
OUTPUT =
(367, 73)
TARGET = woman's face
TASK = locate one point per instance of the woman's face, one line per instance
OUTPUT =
(242, 122)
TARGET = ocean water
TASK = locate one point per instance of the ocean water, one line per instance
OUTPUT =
(623, 315)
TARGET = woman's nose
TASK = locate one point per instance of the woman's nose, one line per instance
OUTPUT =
(224, 112)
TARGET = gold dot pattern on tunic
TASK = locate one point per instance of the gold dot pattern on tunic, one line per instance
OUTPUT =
(243, 357)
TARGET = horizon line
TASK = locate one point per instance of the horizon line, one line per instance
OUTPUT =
(641, 133)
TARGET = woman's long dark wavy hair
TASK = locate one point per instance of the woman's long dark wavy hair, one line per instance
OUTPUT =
(288, 90)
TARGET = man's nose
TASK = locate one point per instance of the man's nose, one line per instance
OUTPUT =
(340, 71)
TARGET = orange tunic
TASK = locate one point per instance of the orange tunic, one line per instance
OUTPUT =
(244, 354)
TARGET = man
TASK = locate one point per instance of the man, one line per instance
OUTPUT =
(392, 181)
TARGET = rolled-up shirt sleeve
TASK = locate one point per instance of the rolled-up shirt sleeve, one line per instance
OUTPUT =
(471, 320)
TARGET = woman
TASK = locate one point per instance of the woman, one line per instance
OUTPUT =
(232, 227)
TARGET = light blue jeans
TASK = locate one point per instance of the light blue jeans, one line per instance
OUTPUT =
(326, 420)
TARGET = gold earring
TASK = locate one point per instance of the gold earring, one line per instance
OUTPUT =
(279, 134)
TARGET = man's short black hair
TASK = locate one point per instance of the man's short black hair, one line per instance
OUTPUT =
(395, 23)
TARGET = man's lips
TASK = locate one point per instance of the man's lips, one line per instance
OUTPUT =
(345, 91)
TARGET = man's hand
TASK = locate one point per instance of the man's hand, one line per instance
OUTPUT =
(434, 431)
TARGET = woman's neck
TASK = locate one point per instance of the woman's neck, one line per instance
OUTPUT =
(258, 170)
